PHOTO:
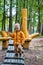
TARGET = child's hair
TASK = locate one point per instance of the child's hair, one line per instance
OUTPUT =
(17, 24)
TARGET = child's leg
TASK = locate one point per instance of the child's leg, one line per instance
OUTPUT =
(16, 49)
(20, 49)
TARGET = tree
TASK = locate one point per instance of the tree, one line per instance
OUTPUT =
(39, 23)
(4, 17)
(10, 18)
(17, 11)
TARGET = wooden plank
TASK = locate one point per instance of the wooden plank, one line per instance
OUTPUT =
(6, 64)
(13, 64)
(8, 55)
(10, 48)
(12, 56)
(10, 41)
(14, 61)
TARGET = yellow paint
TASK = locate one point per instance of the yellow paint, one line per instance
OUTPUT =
(5, 43)
(24, 28)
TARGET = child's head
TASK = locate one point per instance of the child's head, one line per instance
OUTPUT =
(17, 26)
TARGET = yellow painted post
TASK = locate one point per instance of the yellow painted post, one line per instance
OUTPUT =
(5, 42)
(24, 22)
(24, 27)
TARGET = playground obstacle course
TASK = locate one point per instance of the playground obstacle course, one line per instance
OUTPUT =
(10, 58)
(24, 29)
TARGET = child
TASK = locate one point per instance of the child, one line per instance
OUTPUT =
(18, 37)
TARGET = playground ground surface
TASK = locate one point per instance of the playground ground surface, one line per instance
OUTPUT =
(33, 56)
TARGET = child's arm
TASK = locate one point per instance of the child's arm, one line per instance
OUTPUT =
(10, 34)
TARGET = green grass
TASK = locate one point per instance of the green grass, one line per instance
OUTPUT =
(40, 36)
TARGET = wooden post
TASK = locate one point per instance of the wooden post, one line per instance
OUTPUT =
(24, 22)
(24, 27)
(5, 42)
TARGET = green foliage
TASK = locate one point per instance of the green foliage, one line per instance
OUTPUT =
(32, 11)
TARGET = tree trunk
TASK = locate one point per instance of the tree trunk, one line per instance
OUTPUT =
(42, 29)
(10, 18)
(30, 19)
(16, 12)
(24, 6)
(4, 17)
(27, 15)
(39, 23)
